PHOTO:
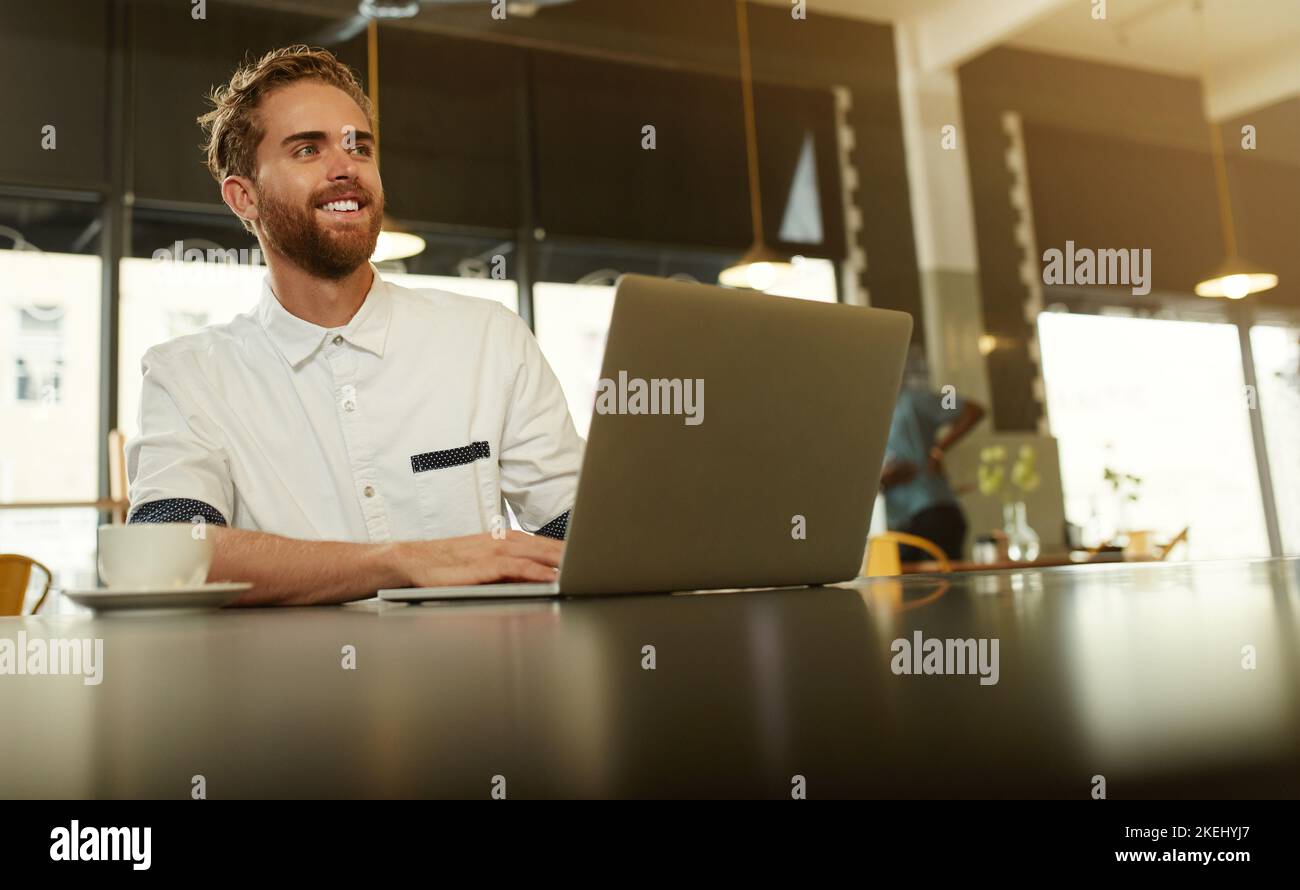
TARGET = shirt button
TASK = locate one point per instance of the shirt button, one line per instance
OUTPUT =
(368, 491)
(338, 339)
(349, 406)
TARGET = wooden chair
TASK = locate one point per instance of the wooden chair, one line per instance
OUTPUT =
(1179, 538)
(882, 554)
(16, 580)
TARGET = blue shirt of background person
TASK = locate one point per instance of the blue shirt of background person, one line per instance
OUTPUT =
(918, 416)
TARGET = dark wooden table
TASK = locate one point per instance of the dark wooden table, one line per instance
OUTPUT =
(1134, 673)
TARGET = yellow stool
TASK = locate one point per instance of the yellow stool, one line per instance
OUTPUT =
(882, 554)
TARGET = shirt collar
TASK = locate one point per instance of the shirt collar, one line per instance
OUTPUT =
(298, 339)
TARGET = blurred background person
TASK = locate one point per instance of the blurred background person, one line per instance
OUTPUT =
(918, 498)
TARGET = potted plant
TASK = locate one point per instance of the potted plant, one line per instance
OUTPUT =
(1126, 489)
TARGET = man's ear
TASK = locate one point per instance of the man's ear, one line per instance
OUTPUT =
(240, 197)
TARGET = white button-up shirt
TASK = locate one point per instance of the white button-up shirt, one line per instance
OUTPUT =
(412, 421)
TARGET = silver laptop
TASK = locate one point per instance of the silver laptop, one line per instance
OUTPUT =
(737, 442)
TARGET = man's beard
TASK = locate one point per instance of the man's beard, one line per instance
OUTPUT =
(296, 233)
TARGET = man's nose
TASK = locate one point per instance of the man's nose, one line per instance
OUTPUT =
(343, 165)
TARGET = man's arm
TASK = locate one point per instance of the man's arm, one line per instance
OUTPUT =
(897, 472)
(285, 571)
(540, 450)
(971, 414)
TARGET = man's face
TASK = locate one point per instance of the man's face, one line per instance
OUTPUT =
(319, 199)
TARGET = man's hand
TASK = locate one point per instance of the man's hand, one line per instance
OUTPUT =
(288, 572)
(478, 559)
(936, 461)
(896, 472)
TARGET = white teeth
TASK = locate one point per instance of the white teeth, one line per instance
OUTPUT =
(342, 205)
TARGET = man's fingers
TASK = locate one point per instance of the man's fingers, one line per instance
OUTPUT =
(516, 569)
(544, 550)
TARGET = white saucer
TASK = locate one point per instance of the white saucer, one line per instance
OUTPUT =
(201, 596)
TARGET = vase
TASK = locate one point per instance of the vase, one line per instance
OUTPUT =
(1022, 541)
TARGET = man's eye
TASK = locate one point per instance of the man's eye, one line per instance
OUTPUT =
(305, 148)
(364, 149)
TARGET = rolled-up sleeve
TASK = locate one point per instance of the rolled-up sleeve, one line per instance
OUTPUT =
(541, 451)
(176, 465)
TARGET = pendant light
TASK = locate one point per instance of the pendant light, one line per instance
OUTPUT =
(1235, 278)
(394, 243)
(762, 265)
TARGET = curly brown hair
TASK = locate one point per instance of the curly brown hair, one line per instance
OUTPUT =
(232, 127)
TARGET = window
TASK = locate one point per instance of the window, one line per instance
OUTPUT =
(1164, 401)
(50, 381)
(501, 291)
(38, 354)
(572, 322)
(1277, 373)
(49, 324)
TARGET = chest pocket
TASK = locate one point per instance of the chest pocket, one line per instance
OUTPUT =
(450, 484)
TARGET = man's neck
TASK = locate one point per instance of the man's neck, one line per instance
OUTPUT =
(329, 304)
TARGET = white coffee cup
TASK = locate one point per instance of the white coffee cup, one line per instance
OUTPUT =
(154, 555)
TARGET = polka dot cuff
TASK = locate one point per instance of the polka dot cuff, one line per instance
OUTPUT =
(176, 510)
(452, 457)
(557, 528)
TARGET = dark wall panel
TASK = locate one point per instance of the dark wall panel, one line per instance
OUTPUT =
(53, 68)
(1266, 206)
(1159, 197)
(595, 180)
(448, 125)
(1265, 186)
(176, 61)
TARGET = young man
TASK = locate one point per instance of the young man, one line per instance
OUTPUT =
(918, 498)
(348, 434)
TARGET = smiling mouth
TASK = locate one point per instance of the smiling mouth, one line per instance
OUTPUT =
(342, 208)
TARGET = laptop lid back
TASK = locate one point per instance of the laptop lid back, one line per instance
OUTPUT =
(737, 440)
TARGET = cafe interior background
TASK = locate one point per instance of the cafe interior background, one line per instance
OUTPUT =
(918, 155)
